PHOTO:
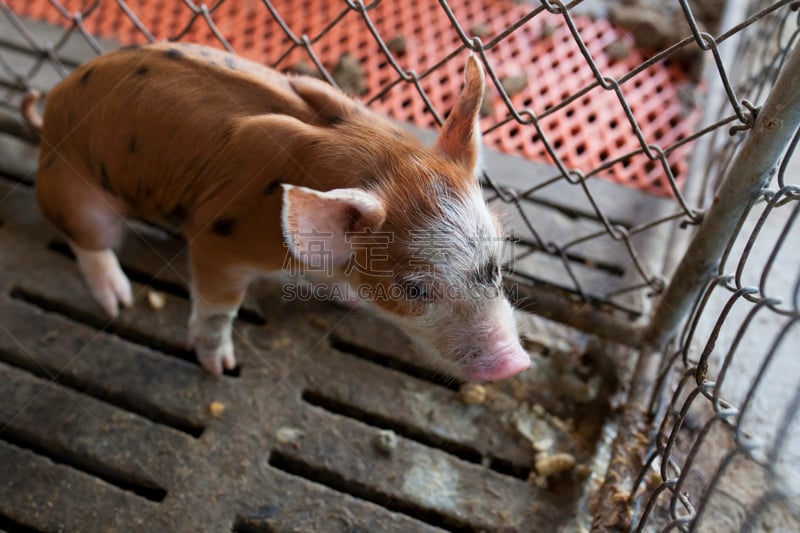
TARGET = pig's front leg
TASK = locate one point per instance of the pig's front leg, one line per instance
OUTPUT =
(211, 335)
(217, 293)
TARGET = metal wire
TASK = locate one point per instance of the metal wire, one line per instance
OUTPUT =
(725, 403)
(641, 282)
(687, 381)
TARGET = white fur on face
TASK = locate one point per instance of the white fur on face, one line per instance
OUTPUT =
(458, 246)
(456, 257)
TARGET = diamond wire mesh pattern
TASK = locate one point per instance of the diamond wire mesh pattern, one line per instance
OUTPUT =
(704, 435)
(724, 453)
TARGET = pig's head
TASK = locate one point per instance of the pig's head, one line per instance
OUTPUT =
(419, 242)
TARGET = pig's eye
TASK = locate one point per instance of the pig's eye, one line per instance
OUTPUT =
(489, 274)
(416, 290)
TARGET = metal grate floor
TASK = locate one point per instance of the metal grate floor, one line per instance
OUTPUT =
(111, 425)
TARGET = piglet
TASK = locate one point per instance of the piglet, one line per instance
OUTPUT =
(255, 167)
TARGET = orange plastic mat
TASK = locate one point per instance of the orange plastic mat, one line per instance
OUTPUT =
(586, 133)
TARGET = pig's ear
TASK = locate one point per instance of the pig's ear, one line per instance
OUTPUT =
(460, 137)
(316, 224)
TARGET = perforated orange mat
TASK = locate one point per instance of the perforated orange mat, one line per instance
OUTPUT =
(584, 134)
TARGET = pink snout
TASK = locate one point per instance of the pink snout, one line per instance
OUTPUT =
(501, 361)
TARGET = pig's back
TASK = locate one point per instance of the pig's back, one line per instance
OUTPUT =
(150, 122)
(175, 79)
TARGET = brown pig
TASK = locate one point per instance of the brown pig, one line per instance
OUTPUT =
(252, 165)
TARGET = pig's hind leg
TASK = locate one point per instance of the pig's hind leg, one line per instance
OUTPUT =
(108, 284)
(93, 221)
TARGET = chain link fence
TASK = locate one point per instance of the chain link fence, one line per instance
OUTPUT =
(632, 126)
(723, 455)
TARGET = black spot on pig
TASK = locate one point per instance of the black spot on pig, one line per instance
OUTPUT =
(228, 132)
(177, 216)
(141, 71)
(173, 53)
(130, 198)
(271, 187)
(193, 164)
(224, 226)
(105, 181)
(334, 120)
(86, 76)
(132, 144)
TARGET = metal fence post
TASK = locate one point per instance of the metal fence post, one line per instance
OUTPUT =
(775, 124)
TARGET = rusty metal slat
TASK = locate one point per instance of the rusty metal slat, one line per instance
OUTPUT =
(277, 509)
(34, 486)
(106, 366)
(413, 406)
(64, 290)
(369, 335)
(72, 424)
(455, 493)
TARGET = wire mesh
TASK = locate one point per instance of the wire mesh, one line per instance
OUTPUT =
(723, 453)
(638, 118)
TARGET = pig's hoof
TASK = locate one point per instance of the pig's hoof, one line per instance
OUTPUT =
(217, 359)
(107, 283)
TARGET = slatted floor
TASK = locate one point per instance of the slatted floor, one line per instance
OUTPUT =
(109, 425)
(112, 425)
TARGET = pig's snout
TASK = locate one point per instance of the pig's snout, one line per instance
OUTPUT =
(501, 360)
